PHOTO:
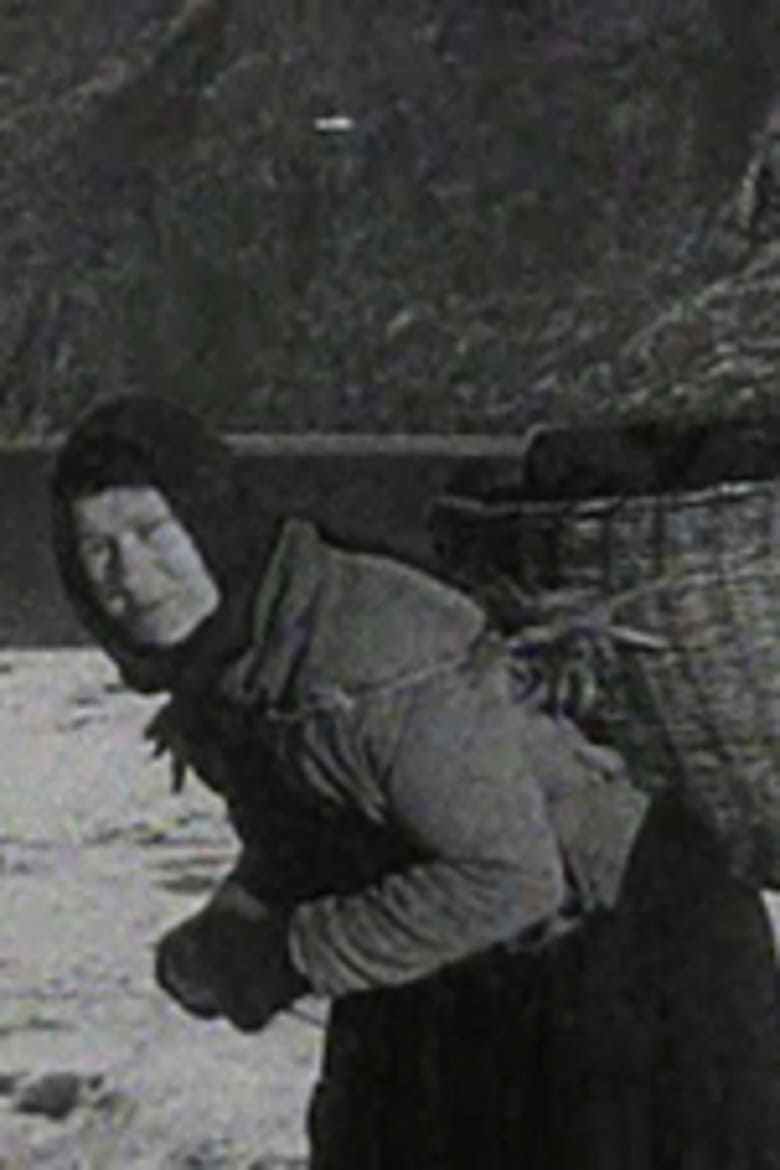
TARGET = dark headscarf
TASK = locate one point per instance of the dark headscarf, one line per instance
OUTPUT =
(152, 442)
(142, 440)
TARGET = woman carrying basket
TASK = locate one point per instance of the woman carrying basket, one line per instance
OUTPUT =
(437, 858)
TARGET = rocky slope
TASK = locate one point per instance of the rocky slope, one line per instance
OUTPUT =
(439, 215)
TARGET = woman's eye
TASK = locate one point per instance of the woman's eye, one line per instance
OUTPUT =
(93, 552)
(151, 530)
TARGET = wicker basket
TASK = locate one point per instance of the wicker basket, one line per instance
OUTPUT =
(655, 617)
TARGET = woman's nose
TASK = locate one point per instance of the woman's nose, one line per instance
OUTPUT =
(131, 563)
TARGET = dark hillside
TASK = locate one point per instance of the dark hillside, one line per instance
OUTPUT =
(439, 216)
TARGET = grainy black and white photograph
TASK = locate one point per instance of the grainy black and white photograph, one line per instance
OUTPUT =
(389, 585)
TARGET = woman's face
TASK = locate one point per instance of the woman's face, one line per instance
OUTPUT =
(145, 569)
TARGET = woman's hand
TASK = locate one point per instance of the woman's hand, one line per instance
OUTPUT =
(182, 968)
(231, 959)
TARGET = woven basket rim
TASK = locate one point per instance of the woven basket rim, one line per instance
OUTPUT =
(599, 505)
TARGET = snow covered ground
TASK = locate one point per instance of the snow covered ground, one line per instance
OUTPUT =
(96, 858)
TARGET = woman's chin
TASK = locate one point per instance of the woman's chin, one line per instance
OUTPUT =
(166, 626)
(156, 632)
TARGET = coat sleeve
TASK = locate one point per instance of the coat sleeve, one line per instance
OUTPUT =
(462, 788)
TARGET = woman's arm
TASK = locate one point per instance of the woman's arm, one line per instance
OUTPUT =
(463, 790)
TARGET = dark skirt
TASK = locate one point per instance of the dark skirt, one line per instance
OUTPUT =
(647, 1039)
(433, 1075)
(699, 975)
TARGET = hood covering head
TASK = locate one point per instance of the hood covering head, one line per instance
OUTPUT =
(148, 441)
